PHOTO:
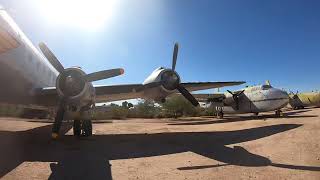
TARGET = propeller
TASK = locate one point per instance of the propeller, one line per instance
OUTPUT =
(175, 56)
(105, 74)
(73, 82)
(171, 80)
(235, 97)
(51, 57)
(295, 95)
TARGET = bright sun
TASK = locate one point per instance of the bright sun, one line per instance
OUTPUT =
(85, 14)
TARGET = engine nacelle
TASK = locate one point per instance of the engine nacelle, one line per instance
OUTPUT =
(228, 100)
(72, 86)
(167, 79)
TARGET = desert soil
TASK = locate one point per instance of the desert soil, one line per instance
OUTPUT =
(236, 147)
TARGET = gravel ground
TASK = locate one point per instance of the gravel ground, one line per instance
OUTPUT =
(237, 147)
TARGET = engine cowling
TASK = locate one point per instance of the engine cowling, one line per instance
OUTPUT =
(170, 80)
(72, 86)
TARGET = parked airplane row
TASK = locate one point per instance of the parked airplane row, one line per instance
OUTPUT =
(255, 99)
(30, 78)
(305, 99)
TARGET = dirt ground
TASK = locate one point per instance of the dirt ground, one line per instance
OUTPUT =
(237, 147)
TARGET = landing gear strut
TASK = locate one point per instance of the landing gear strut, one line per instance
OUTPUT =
(82, 128)
(219, 111)
(87, 128)
(278, 113)
(57, 122)
(220, 115)
(76, 128)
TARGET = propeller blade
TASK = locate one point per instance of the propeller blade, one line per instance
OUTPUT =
(240, 93)
(230, 92)
(104, 74)
(175, 55)
(51, 57)
(187, 95)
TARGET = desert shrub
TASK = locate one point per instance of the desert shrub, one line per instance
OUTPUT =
(178, 106)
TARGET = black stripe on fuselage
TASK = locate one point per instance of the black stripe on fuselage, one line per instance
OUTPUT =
(271, 99)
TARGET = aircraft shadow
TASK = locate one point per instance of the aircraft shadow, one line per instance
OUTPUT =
(297, 111)
(90, 158)
(237, 119)
(241, 157)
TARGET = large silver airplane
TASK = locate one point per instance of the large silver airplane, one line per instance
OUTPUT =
(255, 99)
(28, 77)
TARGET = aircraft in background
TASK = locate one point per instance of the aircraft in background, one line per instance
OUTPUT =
(27, 77)
(253, 99)
(306, 99)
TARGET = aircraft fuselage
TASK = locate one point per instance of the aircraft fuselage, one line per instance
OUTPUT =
(256, 99)
(22, 68)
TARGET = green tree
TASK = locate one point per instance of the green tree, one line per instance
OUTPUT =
(146, 109)
(177, 106)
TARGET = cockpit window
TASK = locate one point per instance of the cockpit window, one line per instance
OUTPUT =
(265, 87)
(159, 68)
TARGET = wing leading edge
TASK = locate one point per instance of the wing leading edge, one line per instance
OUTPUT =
(48, 96)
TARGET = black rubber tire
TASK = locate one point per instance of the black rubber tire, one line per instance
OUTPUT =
(87, 128)
(220, 115)
(76, 128)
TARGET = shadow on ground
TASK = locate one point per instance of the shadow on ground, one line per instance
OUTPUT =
(228, 119)
(89, 158)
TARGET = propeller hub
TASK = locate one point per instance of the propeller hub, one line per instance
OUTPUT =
(170, 80)
(71, 82)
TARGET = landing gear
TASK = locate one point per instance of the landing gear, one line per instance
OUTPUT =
(298, 107)
(220, 115)
(279, 113)
(87, 128)
(57, 122)
(76, 128)
(82, 128)
(219, 112)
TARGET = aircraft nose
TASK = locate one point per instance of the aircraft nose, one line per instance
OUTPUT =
(285, 96)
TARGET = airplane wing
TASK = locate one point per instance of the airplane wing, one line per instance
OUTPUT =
(196, 86)
(118, 92)
(133, 91)
(208, 97)
(204, 97)
(48, 96)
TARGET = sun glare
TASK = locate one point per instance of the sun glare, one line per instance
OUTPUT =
(85, 14)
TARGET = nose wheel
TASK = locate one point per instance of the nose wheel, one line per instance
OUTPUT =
(82, 128)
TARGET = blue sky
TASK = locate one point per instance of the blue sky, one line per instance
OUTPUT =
(220, 40)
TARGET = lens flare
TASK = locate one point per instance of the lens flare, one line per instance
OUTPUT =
(84, 14)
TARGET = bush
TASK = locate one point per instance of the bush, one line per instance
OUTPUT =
(178, 106)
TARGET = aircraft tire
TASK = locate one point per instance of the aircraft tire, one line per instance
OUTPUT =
(219, 115)
(76, 128)
(278, 113)
(87, 128)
